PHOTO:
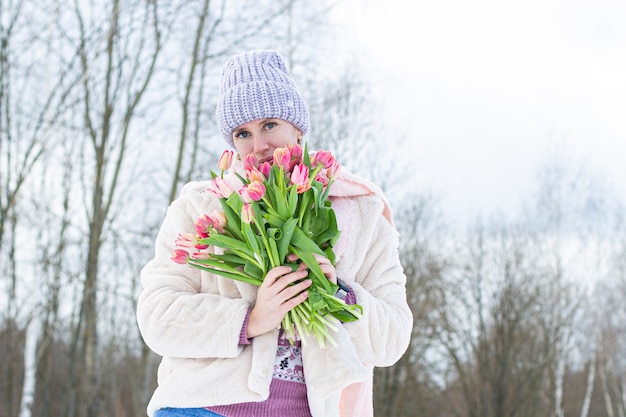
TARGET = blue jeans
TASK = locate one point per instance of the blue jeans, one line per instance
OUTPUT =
(185, 412)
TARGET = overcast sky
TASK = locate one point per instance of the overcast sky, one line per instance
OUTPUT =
(487, 89)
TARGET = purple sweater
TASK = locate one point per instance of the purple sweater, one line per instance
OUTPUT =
(288, 395)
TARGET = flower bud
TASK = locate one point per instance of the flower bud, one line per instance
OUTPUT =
(226, 160)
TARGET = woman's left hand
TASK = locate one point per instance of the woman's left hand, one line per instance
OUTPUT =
(327, 267)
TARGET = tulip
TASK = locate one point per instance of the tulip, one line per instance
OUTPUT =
(245, 195)
(325, 158)
(323, 178)
(247, 213)
(219, 188)
(226, 160)
(250, 161)
(282, 157)
(300, 178)
(296, 152)
(265, 169)
(256, 190)
(184, 240)
(200, 255)
(180, 256)
(254, 174)
(331, 172)
(219, 220)
(203, 225)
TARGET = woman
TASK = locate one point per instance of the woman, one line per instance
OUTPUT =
(223, 352)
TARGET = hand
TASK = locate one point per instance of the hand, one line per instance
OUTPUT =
(276, 296)
(327, 267)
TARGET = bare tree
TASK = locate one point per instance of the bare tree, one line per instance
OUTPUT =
(409, 387)
(118, 54)
(503, 323)
(32, 97)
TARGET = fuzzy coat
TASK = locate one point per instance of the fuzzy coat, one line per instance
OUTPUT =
(193, 319)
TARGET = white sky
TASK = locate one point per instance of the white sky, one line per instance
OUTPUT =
(486, 89)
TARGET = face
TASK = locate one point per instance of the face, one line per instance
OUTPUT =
(260, 137)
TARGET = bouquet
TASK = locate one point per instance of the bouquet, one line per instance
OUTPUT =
(281, 208)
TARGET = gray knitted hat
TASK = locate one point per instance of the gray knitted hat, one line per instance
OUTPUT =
(257, 85)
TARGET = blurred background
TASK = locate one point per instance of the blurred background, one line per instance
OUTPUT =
(496, 130)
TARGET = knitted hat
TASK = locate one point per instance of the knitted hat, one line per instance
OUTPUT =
(257, 85)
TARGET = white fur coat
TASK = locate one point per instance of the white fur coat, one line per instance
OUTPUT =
(193, 319)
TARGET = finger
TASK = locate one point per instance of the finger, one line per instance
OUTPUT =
(295, 289)
(294, 301)
(321, 259)
(273, 275)
(289, 279)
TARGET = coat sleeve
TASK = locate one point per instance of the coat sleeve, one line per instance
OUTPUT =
(383, 334)
(177, 315)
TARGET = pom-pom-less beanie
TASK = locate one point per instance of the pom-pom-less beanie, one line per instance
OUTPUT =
(257, 85)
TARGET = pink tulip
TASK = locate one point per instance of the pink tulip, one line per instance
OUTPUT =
(250, 161)
(247, 213)
(282, 157)
(219, 188)
(184, 240)
(219, 220)
(254, 174)
(265, 169)
(331, 171)
(226, 160)
(200, 255)
(296, 152)
(245, 195)
(323, 178)
(256, 190)
(325, 158)
(204, 225)
(180, 256)
(300, 178)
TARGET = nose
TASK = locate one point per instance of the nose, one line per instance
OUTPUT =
(260, 147)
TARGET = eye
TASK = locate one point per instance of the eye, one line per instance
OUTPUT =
(269, 125)
(241, 134)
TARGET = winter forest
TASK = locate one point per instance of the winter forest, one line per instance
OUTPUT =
(107, 109)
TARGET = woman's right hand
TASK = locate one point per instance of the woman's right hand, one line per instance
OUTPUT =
(275, 297)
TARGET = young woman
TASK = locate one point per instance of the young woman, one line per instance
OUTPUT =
(223, 351)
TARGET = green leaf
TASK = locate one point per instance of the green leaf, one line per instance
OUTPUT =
(226, 242)
(306, 158)
(251, 238)
(331, 234)
(305, 207)
(316, 301)
(293, 199)
(233, 221)
(317, 192)
(253, 271)
(218, 268)
(285, 238)
(273, 219)
(303, 242)
(318, 276)
(273, 253)
(324, 196)
(230, 258)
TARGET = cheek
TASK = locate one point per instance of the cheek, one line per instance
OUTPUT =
(284, 139)
(243, 148)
